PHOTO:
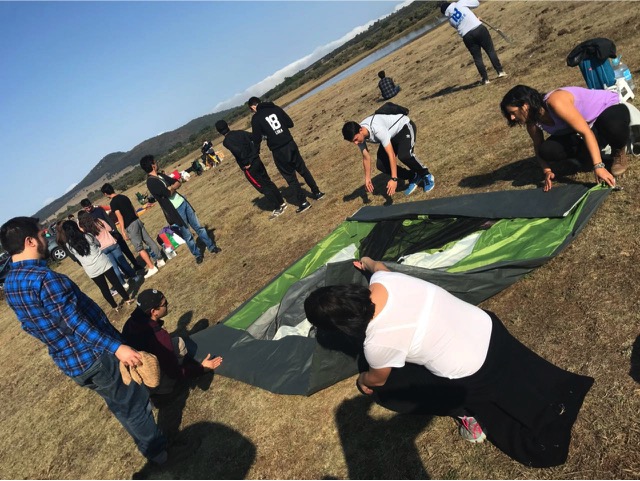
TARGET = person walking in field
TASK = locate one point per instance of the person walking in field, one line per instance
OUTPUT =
(474, 35)
(80, 339)
(131, 227)
(244, 149)
(396, 134)
(271, 121)
(177, 210)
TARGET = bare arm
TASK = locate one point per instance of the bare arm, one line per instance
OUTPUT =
(368, 264)
(366, 164)
(537, 137)
(562, 104)
(123, 231)
(393, 166)
(373, 378)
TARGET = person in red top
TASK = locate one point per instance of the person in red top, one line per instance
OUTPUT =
(143, 331)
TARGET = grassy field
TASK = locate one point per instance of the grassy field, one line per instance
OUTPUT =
(580, 311)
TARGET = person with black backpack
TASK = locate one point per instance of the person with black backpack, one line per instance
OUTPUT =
(390, 127)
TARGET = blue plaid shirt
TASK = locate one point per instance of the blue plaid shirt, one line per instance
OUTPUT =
(53, 309)
(387, 88)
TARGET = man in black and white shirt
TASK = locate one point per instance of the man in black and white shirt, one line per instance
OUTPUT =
(272, 122)
(396, 134)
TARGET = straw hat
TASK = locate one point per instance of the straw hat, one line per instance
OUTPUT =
(147, 373)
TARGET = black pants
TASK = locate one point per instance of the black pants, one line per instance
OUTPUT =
(611, 128)
(101, 282)
(258, 177)
(479, 38)
(124, 247)
(289, 161)
(402, 143)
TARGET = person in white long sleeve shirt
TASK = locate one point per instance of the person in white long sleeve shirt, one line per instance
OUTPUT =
(474, 34)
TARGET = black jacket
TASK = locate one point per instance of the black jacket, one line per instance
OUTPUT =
(159, 190)
(242, 146)
(273, 123)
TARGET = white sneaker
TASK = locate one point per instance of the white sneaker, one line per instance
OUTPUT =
(126, 286)
(160, 263)
(502, 74)
(151, 272)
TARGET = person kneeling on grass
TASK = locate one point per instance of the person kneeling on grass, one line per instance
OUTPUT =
(429, 352)
(144, 330)
(396, 134)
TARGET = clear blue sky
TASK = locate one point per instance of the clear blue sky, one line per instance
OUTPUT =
(80, 80)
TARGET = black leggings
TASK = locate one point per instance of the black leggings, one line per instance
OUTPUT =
(610, 128)
(101, 282)
(479, 38)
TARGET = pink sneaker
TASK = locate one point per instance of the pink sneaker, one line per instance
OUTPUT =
(471, 430)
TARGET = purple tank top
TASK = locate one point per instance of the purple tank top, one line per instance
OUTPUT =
(590, 104)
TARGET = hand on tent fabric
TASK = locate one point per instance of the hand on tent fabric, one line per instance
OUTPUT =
(548, 177)
(603, 175)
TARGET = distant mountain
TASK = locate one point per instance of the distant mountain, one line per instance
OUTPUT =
(112, 165)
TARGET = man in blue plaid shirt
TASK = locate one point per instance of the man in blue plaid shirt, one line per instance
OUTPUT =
(388, 89)
(80, 339)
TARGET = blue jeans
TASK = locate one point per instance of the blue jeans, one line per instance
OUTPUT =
(189, 217)
(120, 264)
(129, 404)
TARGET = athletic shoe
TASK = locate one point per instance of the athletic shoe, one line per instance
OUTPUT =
(151, 272)
(470, 430)
(428, 182)
(485, 81)
(413, 185)
(215, 249)
(125, 285)
(502, 74)
(305, 206)
(160, 263)
(317, 196)
(278, 212)
(113, 292)
(199, 259)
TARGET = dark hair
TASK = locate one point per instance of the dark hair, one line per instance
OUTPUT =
(253, 101)
(519, 96)
(146, 163)
(61, 239)
(381, 74)
(347, 309)
(107, 189)
(85, 203)
(15, 231)
(75, 238)
(444, 6)
(222, 127)
(350, 129)
(88, 223)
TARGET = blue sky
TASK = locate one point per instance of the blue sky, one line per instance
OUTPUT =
(79, 80)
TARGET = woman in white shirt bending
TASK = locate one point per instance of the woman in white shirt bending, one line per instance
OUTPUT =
(429, 352)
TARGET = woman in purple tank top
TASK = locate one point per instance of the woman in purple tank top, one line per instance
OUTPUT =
(580, 122)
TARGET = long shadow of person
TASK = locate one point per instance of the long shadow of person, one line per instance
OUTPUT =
(379, 188)
(379, 449)
(450, 90)
(215, 452)
(521, 173)
(634, 370)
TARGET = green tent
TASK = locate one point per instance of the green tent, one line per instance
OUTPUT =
(474, 246)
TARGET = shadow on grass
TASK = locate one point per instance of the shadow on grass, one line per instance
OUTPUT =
(205, 451)
(379, 188)
(379, 448)
(450, 90)
(634, 370)
(521, 173)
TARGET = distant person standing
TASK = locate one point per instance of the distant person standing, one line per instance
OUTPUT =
(271, 121)
(244, 149)
(98, 212)
(177, 210)
(132, 228)
(396, 136)
(388, 89)
(81, 341)
(474, 35)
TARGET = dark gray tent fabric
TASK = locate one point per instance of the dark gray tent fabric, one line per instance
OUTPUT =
(303, 365)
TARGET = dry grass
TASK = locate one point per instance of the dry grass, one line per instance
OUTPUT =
(580, 311)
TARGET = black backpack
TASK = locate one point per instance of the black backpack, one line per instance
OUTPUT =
(389, 108)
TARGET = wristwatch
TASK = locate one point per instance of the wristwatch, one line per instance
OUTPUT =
(395, 179)
(599, 165)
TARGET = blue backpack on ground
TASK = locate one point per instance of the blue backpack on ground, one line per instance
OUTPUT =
(592, 56)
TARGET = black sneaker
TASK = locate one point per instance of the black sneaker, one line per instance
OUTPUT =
(199, 259)
(215, 249)
(305, 206)
(317, 196)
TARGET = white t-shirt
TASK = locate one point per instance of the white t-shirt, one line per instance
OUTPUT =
(382, 128)
(461, 18)
(422, 323)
